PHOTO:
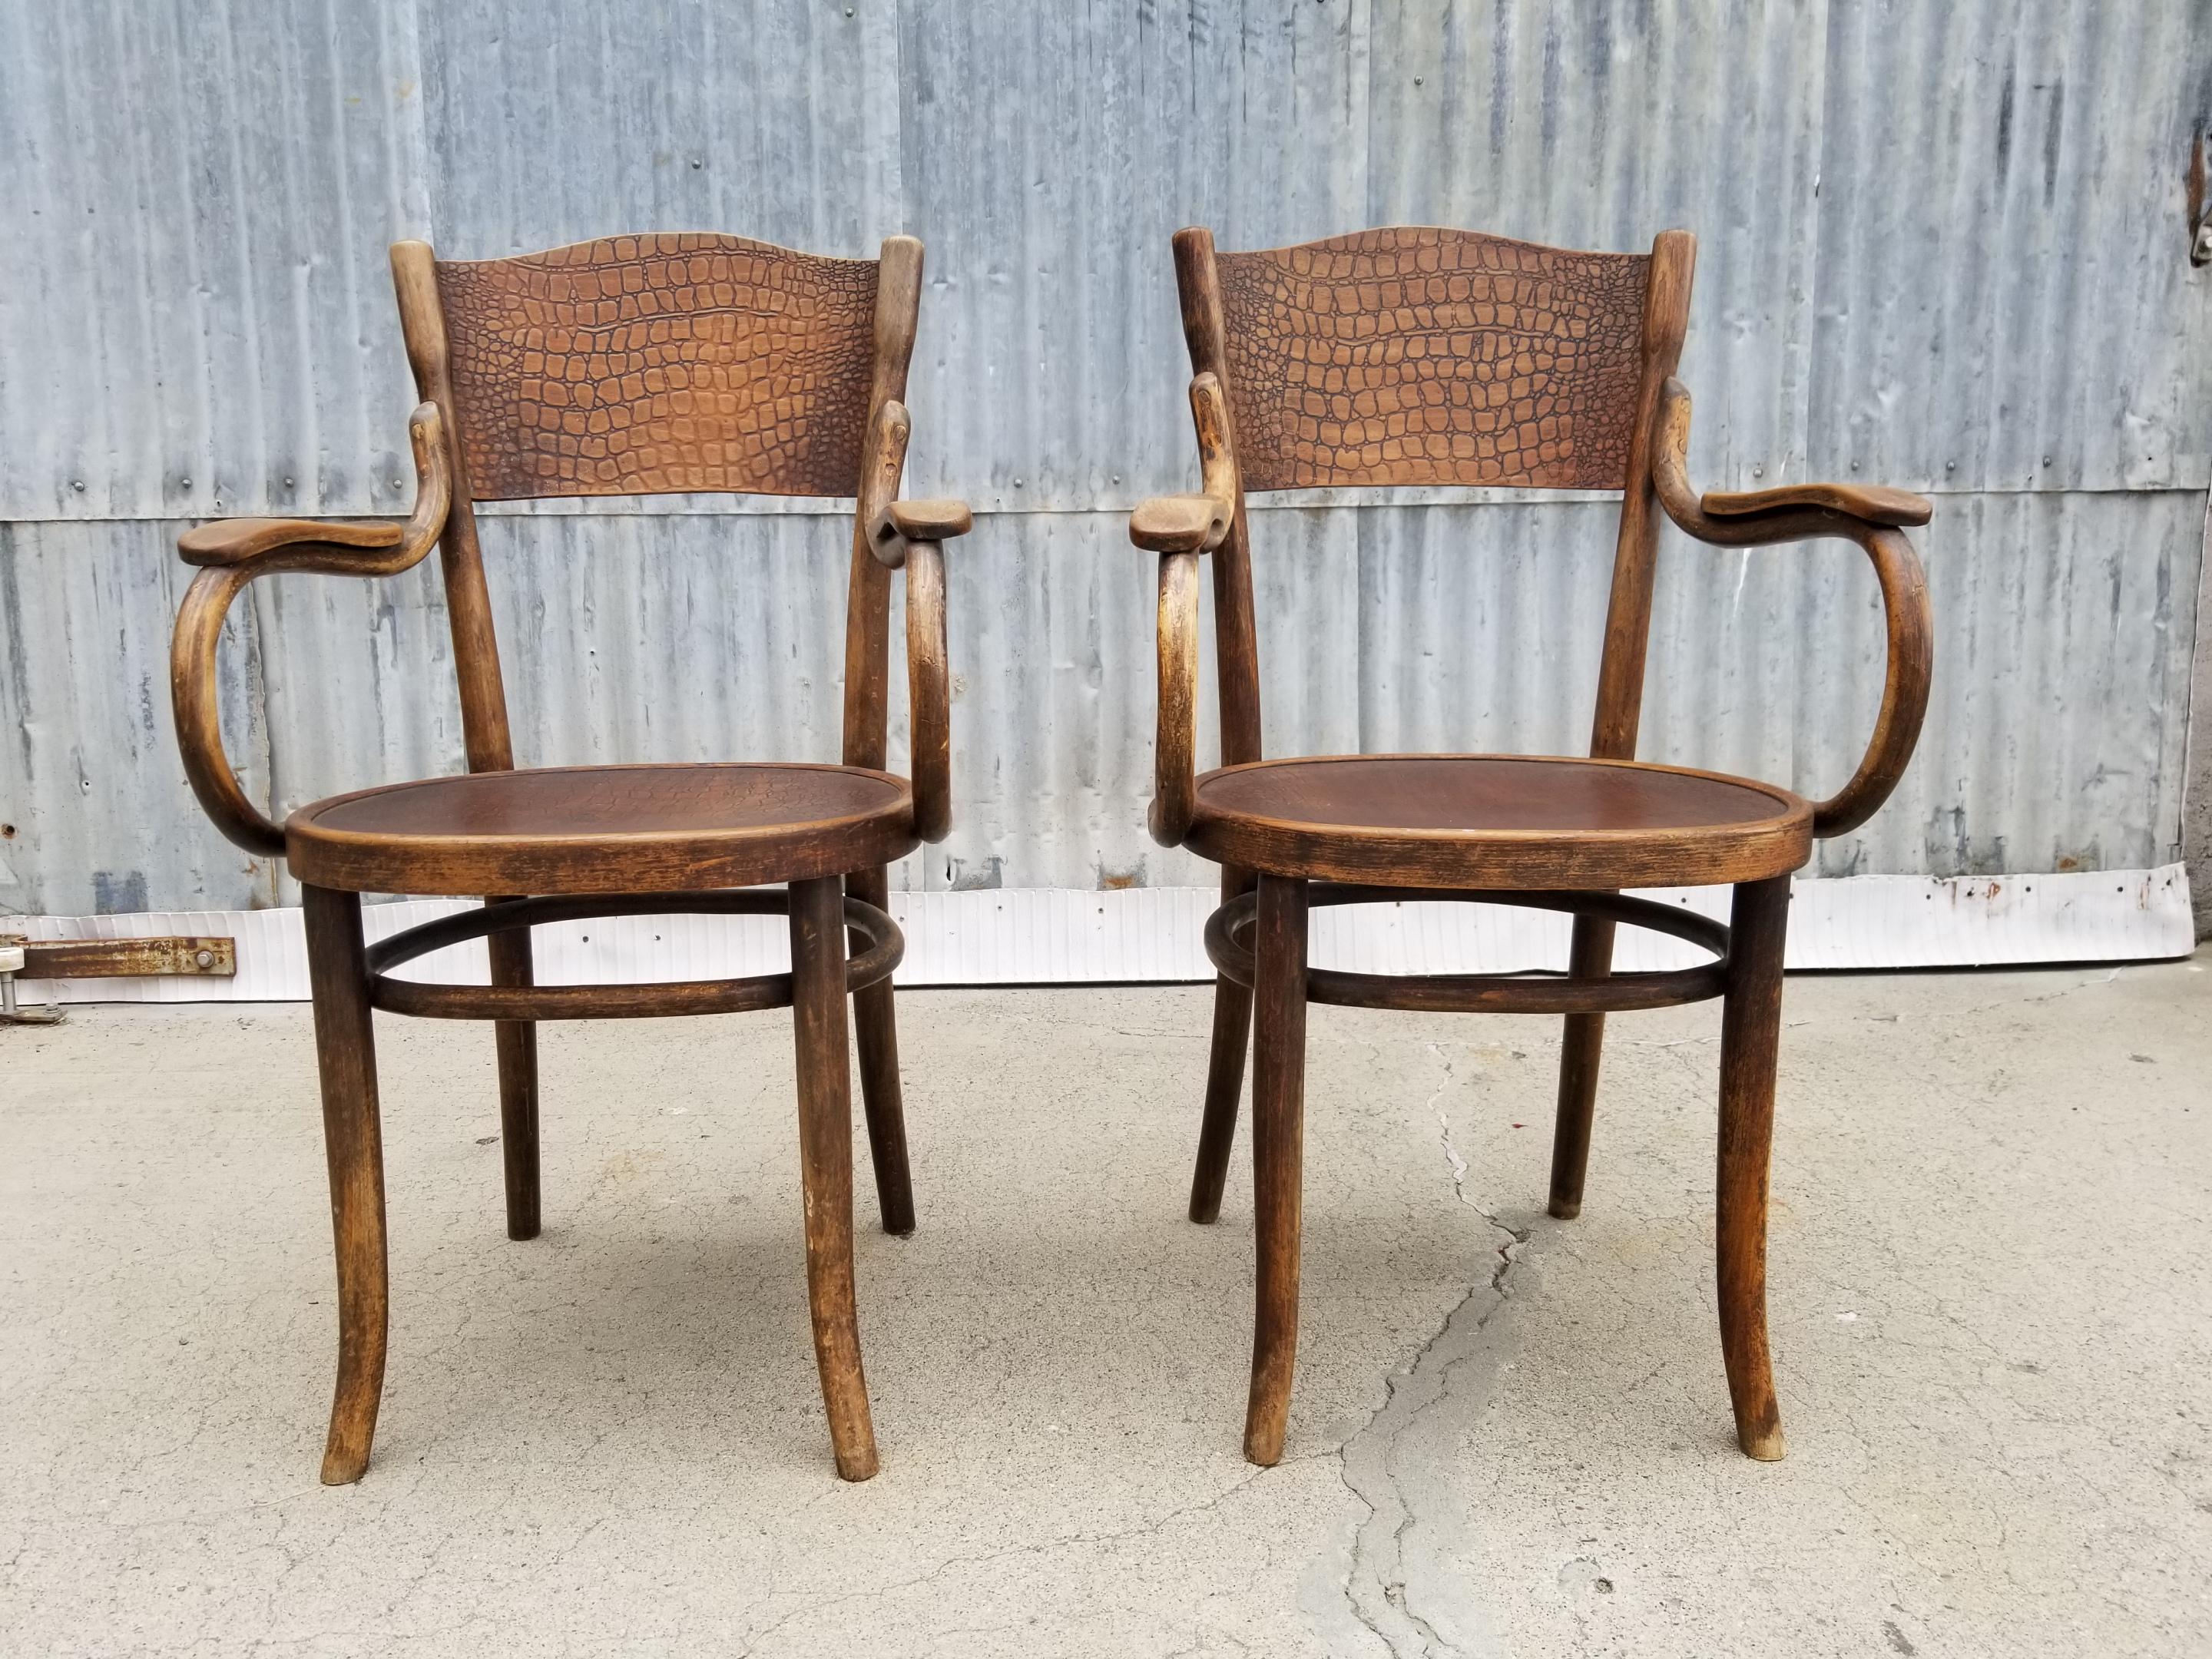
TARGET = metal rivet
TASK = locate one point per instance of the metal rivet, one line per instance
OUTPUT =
(186, 482)
(2046, 460)
(77, 484)
(288, 483)
(205, 958)
(1757, 471)
(1416, 80)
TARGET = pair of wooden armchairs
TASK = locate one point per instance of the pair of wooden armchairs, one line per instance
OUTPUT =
(653, 364)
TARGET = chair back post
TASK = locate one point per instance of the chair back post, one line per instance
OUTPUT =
(1628, 615)
(1236, 645)
(868, 592)
(484, 731)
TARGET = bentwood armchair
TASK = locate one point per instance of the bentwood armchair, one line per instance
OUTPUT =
(1423, 356)
(638, 365)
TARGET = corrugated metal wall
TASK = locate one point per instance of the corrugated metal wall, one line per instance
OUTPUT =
(1942, 245)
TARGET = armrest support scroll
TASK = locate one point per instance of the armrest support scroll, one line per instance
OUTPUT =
(910, 535)
(1868, 516)
(232, 553)
(1195, 523)
(1179, 528)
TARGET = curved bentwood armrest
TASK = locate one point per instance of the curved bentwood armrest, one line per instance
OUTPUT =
(1870, 515)
(910, 535)
(232, 553)
(1179, 528)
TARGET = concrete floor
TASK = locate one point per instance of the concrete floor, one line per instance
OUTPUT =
(1992, 1311)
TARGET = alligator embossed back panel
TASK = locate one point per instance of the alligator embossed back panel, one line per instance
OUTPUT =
(1428, 357)
(644, 365)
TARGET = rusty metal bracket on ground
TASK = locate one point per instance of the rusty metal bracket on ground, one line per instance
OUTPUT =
(103, 959)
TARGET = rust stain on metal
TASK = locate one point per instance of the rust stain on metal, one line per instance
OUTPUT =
(129, 958)
(2195, 180)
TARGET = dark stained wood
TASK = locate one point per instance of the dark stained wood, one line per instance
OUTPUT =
(825, 1157)
(1279, 1067)
(1751, 1029)
(636, 364)
(1175, 745)
(604, 829)
(484, 731)
(1419, 356)
(933, 519)
(1906, 614)
(1224, 1088)
(1498, 993)
(514, 1043)
(1628, 612)
(881, 946)
(234, 541)
(1875, 503)
(267, 545)
(1581, 1045)
(929, 692)
(868, 591)
(1496, 821)
(875, 1035)
(1179, 524)
(353, 1137)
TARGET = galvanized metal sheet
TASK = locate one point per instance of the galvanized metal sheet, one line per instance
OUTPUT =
(1936, 244)
(1600, 125)
(95, 816)
(2004, 295)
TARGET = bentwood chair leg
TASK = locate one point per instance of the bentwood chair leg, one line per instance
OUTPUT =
(1751, 1024)
(876, 1027)
(345, 1054)
(1224, 1086)
(1580, 1050)
(1278, 1067)
(518, 1086)
(825, 1159)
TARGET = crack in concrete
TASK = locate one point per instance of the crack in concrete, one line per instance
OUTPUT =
(1375, 1588)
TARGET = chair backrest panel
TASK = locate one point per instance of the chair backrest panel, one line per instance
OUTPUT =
(1419, 355)
(653, 364)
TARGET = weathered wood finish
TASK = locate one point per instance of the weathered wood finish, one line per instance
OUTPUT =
(1278, 1082)
(825, 1158)
(353, 1139)
(604, 829)
(637, 364)
(1425, 356)
(1751, 1031)
(235, 552)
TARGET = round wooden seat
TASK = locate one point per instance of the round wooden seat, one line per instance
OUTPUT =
(1504, 821)
(603, 830)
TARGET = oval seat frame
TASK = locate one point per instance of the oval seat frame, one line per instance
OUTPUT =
(1491, 994)
(886, 949)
